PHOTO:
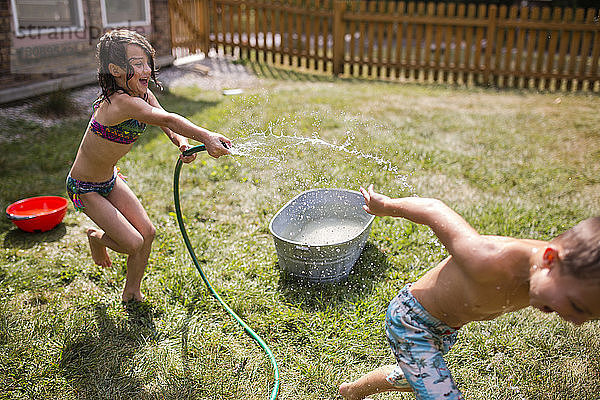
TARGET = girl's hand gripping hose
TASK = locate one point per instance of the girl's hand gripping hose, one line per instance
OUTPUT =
(249, 331)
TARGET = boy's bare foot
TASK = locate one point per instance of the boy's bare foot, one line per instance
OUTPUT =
(98, 250)
(346, 392)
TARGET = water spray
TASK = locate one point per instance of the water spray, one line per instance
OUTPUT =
(249, 331)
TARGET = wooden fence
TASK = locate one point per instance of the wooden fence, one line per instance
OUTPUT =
(543, 48)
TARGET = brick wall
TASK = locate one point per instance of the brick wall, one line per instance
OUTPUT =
(4, 42)
(161, 30)
(49, 58)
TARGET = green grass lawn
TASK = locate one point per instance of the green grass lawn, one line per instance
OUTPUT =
(512, 163)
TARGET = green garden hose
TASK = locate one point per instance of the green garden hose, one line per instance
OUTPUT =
(186, 239)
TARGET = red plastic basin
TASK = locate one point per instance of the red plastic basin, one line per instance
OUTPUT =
(37, 214)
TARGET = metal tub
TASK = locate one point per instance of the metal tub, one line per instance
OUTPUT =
(320, 234)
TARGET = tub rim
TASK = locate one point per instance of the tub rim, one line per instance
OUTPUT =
(296, 243)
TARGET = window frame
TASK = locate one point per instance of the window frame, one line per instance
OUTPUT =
(121, 24)
(75, 28)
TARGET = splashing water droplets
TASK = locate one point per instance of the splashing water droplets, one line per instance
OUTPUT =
(274, 148)
(307, 148)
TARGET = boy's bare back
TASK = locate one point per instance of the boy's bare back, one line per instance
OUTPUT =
(488, 278)
(483, 277)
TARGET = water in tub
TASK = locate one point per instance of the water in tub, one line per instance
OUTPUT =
(328, 231)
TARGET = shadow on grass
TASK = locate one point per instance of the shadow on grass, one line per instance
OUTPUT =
(16, 238)
(267, 71)
(370, 268)
(272, 72)
(190, 383)
(98, 362)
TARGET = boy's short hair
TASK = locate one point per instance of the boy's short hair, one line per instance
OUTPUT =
(580, 255)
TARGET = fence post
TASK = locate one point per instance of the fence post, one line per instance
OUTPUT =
(491, 35)
(338, 36)
(205, 26)
(172, 25)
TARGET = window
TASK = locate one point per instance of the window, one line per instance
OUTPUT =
(119, 13)
(47, 16)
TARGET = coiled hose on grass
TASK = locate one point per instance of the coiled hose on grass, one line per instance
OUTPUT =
(186, 239)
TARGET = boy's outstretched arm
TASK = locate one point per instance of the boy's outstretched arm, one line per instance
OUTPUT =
(453, 231)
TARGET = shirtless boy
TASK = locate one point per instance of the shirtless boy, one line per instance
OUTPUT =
(482, 278)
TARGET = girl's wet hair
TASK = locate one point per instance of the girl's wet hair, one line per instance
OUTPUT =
(580, 256)
(112, 50)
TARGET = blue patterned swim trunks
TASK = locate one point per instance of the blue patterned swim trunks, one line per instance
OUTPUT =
(419, 341)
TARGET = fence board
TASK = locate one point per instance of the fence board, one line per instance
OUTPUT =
(309, 39)
(294, 47)
(594, 76)
(530, 38)
(379, 69)
(458, 47)
(254, 31)
(437, 64)
(507, 77)
(585, 50)
(541, 46)
(491, 33)
(428, 33)
(319, 64)
(272, 34)
(300, 36)
(389, 32)
(289, 29)
(574, 50)
(478, 45)
(551, 54)
(361, 40)
(449, 43)
(407, 57)
(369, 48)
(502, 51)
(398, 49)
(418, 45)
(230, 29)
(469, 38)
(244, 31)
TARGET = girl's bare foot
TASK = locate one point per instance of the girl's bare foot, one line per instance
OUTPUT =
(132, 296)
(98, 250)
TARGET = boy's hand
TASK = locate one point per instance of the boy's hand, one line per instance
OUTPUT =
(375, 203)
(217, 145)
(186, 159)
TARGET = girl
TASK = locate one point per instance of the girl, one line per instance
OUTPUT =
(120, 116)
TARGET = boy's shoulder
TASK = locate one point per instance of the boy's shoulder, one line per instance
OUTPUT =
(502, 255)
(509, 243)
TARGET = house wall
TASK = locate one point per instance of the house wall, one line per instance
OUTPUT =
(35, 58)
(161, 28)
(5, 37)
